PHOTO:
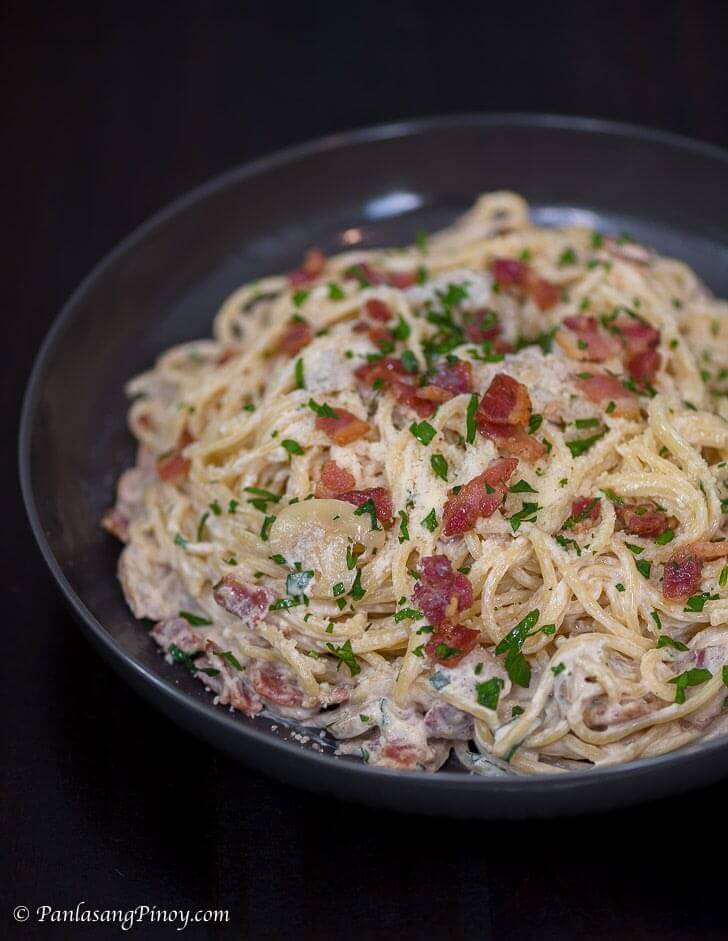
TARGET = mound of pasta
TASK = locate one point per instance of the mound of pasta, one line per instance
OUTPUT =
(462, 498)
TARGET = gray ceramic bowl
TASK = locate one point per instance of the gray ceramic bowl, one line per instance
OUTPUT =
(162, 286)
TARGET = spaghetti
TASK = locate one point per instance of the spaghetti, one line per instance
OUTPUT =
(463, 497)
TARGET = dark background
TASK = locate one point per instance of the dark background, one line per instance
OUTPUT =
(108, 114)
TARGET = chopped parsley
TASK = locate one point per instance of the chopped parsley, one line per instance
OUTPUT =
(356, 591)
(430, 521)
(522, 487)
(300, 297)
(179, 540)
(408, 614)
(527, 514)
(336, 292)
(293, 447)
(201, 526)
(323, 411)
(559, 668)
(697, 602)
(265, 528)
(665, 641)
(233, 505)
(693, 677)
(470, 418)
(439, 466)
(580, 446)
(423, 431)
(487, 693)
(567, 257)
(188, 660)
(534, 423)
(409, 361)
(215, 507)
(666, 536)
(345, 654)
(194, 619)
(298, 373)
(370, 508)
(264, 494)
(403, 526)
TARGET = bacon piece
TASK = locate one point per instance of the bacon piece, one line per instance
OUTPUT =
(405, 386)
(511, 440)
(381, 336)
(544, 293)
(401, 279)
(644, 519)
(506, 402)
(590, 507)
(179, 632)
(314, 262)
(445, 721)
(379, 496)
(456, 378)
(584, 339)
(479, 498)
(517, 274)
(509, 272)
(334, 480)
(343, 428)
(297, 335)
(602, 389)
(250, 603)
(440, 592)
(643, 366)
(173, 467)
(451, 642)
(636, 335)
(375, 309)
(275, 683)
(481, 325)
(682, 575)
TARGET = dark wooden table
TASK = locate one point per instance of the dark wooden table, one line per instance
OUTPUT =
(106, 116)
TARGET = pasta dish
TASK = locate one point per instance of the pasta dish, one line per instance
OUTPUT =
(467, 497)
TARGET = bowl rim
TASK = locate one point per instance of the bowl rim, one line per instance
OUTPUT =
(203, 710)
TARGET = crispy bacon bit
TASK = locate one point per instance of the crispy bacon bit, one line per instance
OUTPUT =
(401, 279)
(250, 603)
(511, 439)
(441, 593)
(509, 272)
(177, 631)
(544, 293)
(225, 355)
(644, 519)
(343, 428)
(506, 402)
(381, 337)
(456, 378)
(636, 335)
(314, 262)
(682, 575)
(517, 274)
(502, 414)
(379, 496)
(643, 366)
(334, 480)
(275, 683)
(405, 386)
(585, 512)
(451, 642)
(481, 325)
(602, 389)
(297, 335)
(174, 466)
(584, 339)
(377, 310)
(477, 499)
